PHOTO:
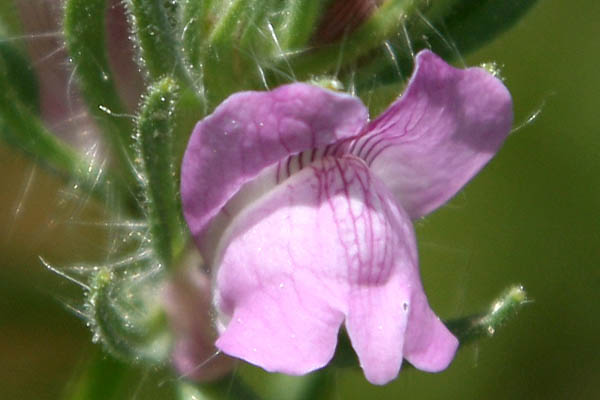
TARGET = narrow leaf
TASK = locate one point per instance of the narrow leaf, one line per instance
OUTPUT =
(451, 28)
(196, 24)
(21, 128)
(20, 75)
(85, 37)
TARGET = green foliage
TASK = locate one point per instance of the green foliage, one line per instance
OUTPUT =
(451, 28)
(9, 19)
(196, 17)
(85, 39)
(19, 74)
(21, 128)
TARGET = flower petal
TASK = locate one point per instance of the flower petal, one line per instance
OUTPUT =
(283, 328)
(252, 130)
(326, 244)
(376, 324)
(428, 344)
(446, 126)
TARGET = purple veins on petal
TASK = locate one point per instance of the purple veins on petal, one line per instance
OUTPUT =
(250, 131)
(322, 248)
(303, 211)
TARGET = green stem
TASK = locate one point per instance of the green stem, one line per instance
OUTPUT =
(504, 308)
(466, 329)
(155, 142)
(159, 50)
(85, 37)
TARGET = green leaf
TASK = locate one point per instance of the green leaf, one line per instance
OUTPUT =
(155, 145)
(450, 28)
(470, 25)
(380, 51)
(226, 66)
(20, 75)
(196, 23)
(85, 37)
(21, 128)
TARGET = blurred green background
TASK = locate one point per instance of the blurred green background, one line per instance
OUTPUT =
(531, 217)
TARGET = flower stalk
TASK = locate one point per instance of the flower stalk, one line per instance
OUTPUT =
(155, 146)
(160, 53)
(504, 308)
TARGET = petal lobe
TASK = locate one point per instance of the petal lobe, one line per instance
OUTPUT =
(252, 130)
(445, 127)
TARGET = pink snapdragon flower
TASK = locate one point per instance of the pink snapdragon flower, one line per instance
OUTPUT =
(303, 209)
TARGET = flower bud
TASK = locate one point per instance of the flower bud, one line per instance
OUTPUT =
(343, 17)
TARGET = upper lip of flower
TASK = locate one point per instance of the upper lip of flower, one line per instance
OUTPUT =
(365, 182)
